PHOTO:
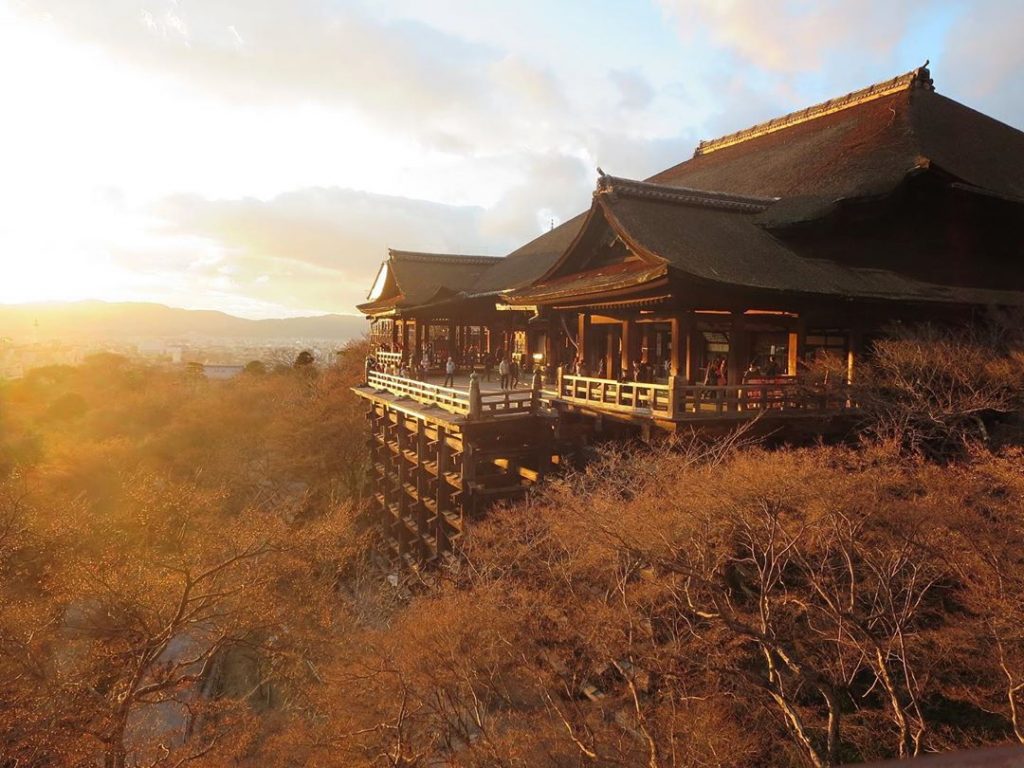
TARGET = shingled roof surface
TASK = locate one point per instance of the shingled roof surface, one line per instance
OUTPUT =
(717, 239)
(426, 277)
(863, 149)
(729, 247)
(526, 264)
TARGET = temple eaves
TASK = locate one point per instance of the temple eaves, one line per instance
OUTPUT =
(612, 186)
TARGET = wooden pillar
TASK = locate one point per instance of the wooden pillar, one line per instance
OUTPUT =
(683, 362)
(441, 499)
(542, 458)
(630, 346)
(418, 351)
(386, 491)
(394, 335)
(609, 353)
(737, 362)
(796, 344)
(583, 340)
(855, 348)
(694, 349)
(551, 348)
(401, 470)
(421, 479)
(467, 499)
(676, 344)
(645, 344)
(475, 406)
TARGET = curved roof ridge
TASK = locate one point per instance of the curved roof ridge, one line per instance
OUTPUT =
(917, 78)
(442, 258)
(613, 186)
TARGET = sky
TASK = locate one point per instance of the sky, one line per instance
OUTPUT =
(260, 156)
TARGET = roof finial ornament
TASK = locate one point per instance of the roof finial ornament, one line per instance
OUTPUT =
(923, 77)
(601, 173)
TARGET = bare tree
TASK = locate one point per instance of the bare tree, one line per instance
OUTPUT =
(931, 389)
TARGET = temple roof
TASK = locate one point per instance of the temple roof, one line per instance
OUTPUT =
(860, 145)
(531, 261)
(719, 216)
(918, 78)
(410, 278)
(709, 239)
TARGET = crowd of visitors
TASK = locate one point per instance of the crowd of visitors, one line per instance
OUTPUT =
(510, 367)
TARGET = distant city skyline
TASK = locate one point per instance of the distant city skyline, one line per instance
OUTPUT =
(258, 158)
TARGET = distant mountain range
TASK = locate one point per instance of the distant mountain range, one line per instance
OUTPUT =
(133, 320)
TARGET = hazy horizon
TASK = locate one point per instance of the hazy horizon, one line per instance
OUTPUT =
(258, 159)
(71, 302)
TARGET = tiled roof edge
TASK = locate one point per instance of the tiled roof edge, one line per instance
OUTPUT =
(918, 78)
(443, 258)
(612, 186)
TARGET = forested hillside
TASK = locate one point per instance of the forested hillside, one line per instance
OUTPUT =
(186, 579)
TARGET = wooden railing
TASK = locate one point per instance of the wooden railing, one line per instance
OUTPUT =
(654, 399)
(673, 400)
(789, 396)
(471, 403)
(390, 359)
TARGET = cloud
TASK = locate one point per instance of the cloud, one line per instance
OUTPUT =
(403, 74)
(317, 249)
(482, 106)
(984, 58)
(517, 79)
(792, 53)
(637, 157)
(635, 90)
(552, 187)
(312, 249)
(798, 36)
(295, 49)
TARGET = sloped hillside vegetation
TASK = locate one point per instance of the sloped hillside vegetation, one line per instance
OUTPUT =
(186, 578)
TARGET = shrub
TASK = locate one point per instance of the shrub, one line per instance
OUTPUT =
(934, 390)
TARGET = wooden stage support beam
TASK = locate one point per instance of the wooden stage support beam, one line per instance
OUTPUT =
(431, 472)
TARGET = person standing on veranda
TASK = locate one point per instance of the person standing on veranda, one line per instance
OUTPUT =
(449, 372)
(504, 368)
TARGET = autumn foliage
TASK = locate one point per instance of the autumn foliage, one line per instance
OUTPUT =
(186, 578)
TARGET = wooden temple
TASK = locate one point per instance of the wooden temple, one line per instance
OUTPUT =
(707, 292)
